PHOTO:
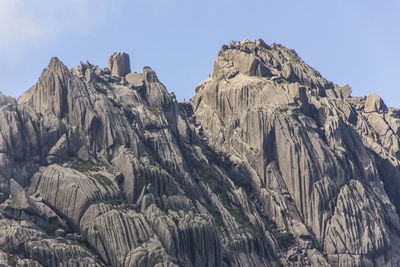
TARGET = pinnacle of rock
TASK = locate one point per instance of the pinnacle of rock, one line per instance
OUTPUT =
(374, 103)
(269, 164)
(119, 64)
(51, 91)
(255, 58)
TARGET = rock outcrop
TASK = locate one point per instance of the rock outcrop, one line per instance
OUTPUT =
(120, 163)
(119, 64)
(374, 103)
(269, 165)
(314, 155)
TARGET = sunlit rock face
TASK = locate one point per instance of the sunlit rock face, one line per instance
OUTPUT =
(269, 164)
(322, 164)
(119, 64)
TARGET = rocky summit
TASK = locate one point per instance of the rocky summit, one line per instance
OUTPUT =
(269, 164)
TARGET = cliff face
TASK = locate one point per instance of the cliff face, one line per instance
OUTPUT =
(269, 165)
(322, 164)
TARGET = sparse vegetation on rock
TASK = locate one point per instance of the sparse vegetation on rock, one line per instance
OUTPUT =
(269, 164)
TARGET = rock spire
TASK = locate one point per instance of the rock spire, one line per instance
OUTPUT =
(119, 64)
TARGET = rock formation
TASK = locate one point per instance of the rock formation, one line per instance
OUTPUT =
(119, 64)
(314, 154)
(269, 165)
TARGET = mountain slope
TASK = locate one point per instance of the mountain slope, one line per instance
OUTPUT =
(270, 164)
(319, 159)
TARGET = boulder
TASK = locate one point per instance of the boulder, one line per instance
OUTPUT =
(374, 104)
(119, 64)
(135, 79)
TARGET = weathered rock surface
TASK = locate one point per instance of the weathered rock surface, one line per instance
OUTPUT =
(269, 165)
(374, 104)
(119, 64)
(119, 164)
(314, 155)
(135, 79)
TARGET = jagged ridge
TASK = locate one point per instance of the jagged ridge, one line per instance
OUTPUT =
(269, 165)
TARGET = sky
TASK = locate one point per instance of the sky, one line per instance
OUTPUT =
(347, 41)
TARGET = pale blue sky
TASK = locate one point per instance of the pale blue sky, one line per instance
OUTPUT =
(347, 41)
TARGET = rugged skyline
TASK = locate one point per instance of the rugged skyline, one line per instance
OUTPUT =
(348, 42)
(270, 164)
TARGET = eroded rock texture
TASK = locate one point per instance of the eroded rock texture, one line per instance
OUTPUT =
(269, 165)
(323, 164)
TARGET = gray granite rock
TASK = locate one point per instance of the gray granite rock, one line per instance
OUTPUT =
(135, 79)
(303, 140)
(270, 164)
(119, 64)
(374, 104)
